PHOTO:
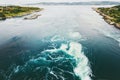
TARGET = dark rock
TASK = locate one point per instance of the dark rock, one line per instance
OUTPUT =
(35, 16)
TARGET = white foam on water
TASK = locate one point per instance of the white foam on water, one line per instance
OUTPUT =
(111, 34)
(57, 38)
(73, 49)
(74, 35)
(83, 68)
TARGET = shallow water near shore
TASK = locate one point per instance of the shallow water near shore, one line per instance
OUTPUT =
(65, 43)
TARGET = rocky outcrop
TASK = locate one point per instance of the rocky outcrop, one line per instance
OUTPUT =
(35, 16)
(117, 25)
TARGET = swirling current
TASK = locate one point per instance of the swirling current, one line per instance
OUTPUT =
(66, 62)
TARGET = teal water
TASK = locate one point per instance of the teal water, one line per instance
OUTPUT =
(65, 43)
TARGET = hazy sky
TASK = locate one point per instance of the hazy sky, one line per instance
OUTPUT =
(34, 1)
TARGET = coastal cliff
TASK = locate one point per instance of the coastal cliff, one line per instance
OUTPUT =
(110, 14)
(16, 11)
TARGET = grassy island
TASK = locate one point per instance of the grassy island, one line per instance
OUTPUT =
(16, 11)
(110, 14)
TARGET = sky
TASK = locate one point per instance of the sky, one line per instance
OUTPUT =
(35, 1)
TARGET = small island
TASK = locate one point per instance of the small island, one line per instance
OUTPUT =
(110, 14)
(16, 11)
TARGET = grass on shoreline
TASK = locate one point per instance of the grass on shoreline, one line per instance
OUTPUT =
(16, 11)
(110, 14)
(113, 12)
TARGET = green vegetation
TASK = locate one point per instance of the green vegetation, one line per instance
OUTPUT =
(16, 11)
(112, 12)
(2, 16)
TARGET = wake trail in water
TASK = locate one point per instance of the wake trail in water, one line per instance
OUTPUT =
(82, 69)
(112, 34)
(65, 63)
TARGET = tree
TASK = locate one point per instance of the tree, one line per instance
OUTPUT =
(2, 16)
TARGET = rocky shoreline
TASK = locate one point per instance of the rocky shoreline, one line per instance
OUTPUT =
(34, 16)
(107, 18)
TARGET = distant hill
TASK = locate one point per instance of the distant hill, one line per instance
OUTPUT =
(79, 3)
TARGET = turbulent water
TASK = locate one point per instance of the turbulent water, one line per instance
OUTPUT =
(65, 63)
(65, 43)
